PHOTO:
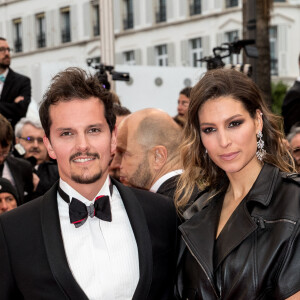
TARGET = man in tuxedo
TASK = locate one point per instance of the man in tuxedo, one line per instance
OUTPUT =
(88, 237)
(17, 170)
(15, 89)
(291, 105)
(147, 151)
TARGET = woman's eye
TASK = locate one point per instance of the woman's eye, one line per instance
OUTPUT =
(235, 123)
(208, 130)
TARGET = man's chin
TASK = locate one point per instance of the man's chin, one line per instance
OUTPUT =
(86, 179)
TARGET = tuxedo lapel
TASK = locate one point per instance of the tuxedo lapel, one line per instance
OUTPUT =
(141, 232)
(17, 176)
(55, 247)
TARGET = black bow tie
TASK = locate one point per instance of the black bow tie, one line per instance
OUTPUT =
(79, 212)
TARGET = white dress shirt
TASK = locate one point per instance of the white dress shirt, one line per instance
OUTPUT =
(154, 188)
(103, 256)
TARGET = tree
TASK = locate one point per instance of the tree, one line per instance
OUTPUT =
(256, 26)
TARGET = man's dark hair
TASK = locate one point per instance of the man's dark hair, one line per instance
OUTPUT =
(186, 91)
(75, 83)
(120, 110)
(2, 39)
(6, 132)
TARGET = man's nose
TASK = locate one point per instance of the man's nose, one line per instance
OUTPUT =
(3, 205)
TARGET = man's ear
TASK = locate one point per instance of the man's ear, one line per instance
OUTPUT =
(48, 145)
(160, 154)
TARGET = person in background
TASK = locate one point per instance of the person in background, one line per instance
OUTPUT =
(183, 106)
(29, 136)
(17, 170)
(241, 238)
(8, 196)
(15, 89)
(294, 142)
(147, 151)
(121, 112)
(291, 105)
(88, 237)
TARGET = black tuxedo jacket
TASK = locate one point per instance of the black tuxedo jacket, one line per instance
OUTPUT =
(15, 85)
(34, 264)
(21, 171)
(291, 107)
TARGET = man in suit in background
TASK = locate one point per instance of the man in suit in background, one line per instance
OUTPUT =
(147, 151)
(291, 105)
(17, 170)
(88, 237)
(15, 89)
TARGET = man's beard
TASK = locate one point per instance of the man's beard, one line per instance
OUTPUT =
(86, 180)
(141, 178)
(4, 66)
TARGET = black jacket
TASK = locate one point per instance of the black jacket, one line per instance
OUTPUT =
(256, 255)
(34, 265)
(15, 85)
(291, 107)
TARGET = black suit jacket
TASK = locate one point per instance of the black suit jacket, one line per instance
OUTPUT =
(21, 171)
(15, 85)
(291, 107)
(34, 264)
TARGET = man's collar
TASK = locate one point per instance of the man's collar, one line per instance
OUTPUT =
(154, 188)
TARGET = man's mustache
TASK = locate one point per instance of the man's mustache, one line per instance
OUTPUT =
(78, 154)
(36, 150)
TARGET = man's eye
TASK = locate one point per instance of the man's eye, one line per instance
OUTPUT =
(94, 130)
(66, 133)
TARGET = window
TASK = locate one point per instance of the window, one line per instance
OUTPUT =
(128, 14)
(231, 3)
(65, 25)
(40, 30)
(161, 11)
(129, 58)
(96, 19)
(279, 0)
(273, 50)
(196, 51)
(230, 37)
(195, 7)
(17, 35)
(161, 55)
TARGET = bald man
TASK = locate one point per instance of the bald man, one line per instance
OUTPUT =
(147, 151)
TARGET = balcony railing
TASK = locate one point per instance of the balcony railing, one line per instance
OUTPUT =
(18, 46)
(161, 14)
(128, 21)
(41, 40)
(195, 8)
(65, 36)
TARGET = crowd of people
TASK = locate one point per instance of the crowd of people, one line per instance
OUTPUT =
(98, 202)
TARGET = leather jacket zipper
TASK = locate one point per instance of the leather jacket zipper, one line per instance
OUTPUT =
(261, 221)
(207, 276)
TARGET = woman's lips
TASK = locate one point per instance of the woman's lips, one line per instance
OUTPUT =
(229, 156)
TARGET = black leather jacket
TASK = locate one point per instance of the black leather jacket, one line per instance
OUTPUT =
(257, 254)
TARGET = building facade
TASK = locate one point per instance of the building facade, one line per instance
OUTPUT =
(170, 34)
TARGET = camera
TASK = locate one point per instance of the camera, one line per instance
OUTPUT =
(226, 50)
(102, 73)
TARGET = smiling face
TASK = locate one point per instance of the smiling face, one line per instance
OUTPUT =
(81, 141)
(228, 133)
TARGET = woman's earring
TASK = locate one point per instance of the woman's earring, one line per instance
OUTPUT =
(260, 153)
(205, 151)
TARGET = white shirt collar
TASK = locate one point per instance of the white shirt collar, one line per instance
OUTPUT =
(74, 194)
(162, 179)
(298, 79)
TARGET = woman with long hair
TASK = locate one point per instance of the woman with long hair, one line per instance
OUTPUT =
(241, 238)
